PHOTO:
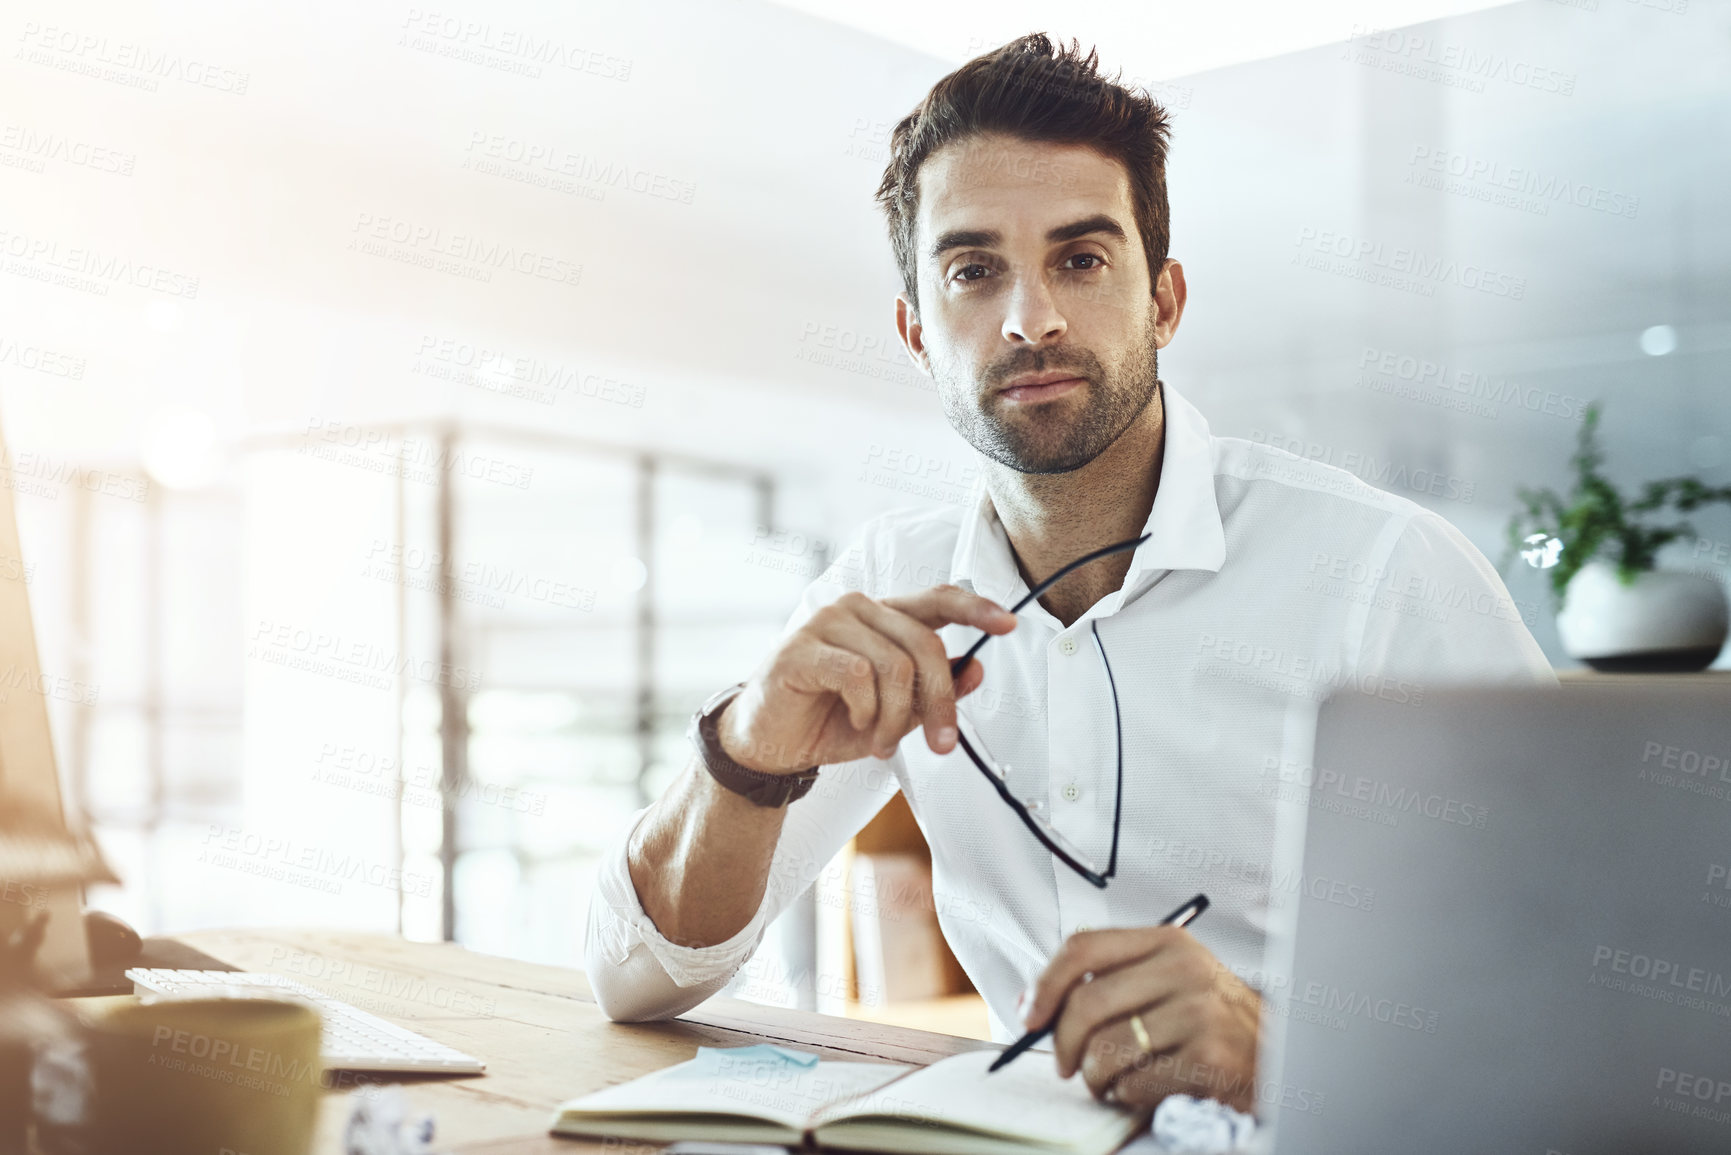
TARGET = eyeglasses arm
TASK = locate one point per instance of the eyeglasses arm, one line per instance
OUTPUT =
(957, 665)
(1003, 789)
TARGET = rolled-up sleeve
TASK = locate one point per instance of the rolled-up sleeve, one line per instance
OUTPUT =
(636, 973)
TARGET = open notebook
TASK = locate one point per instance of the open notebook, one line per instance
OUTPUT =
(767, 1094)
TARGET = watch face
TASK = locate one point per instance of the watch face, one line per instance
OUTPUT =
(705, 713)
(755, 785)
(717, 699)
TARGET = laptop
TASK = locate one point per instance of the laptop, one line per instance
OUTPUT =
(1510, 929)
(44, 858)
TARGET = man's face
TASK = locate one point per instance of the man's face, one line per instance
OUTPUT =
(1036, 318)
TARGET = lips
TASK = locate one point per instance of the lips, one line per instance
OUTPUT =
(1045, 387)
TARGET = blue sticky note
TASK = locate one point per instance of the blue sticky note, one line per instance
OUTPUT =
(710, 1059)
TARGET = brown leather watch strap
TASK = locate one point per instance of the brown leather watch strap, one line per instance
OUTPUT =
(762, 789)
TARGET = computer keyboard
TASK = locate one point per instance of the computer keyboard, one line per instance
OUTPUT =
(353, 1039)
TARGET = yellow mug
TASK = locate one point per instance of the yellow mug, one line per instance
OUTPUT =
(205, 1077)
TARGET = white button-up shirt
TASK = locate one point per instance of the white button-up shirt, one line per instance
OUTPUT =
(1268, 583)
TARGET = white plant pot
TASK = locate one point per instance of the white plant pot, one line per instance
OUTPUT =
(1665, 621)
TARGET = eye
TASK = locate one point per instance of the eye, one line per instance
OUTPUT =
(971, 272)
(1099, 262)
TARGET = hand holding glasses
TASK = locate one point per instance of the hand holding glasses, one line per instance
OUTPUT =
(1032, 811)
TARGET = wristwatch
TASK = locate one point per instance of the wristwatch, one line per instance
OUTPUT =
(763, 789)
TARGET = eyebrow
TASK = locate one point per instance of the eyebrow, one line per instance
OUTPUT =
(987, 238)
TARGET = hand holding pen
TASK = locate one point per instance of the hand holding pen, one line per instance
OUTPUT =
(1180, 917)
(1143, 1012)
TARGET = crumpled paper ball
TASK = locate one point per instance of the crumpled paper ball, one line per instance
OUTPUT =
(379, 1125)
(1189, 1126)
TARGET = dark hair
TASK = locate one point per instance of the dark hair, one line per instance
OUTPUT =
(1039, 91)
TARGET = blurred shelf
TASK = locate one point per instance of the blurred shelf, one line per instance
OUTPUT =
(1587, 674)
(963, 1015)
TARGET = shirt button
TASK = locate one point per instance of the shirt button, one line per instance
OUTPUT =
(1072, 792)
(1084, 928)
(1067, 645)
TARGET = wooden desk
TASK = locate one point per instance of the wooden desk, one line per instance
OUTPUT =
(537, 1028)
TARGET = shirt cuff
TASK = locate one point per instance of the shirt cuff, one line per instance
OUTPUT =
(621, 925)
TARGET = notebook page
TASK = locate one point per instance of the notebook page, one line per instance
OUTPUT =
(781, 1093)
(1025, 1101)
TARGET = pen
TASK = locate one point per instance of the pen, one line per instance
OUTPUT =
(1180, 917)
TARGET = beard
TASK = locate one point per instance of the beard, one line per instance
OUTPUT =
(1057, 436)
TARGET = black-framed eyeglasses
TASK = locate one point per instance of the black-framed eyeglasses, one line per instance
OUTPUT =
(1032, 811)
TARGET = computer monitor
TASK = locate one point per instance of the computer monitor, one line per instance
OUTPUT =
(1511, 924)
(43, 859)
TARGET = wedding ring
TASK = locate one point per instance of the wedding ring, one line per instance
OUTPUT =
(1141, 1032)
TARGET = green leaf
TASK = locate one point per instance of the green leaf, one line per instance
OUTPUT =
(1593, 520)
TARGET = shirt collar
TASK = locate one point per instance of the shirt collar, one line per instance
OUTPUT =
(1184, 525)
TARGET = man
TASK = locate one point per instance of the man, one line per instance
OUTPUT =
(1027, 209)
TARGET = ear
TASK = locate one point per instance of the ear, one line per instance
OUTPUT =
(1169, 296)
(912, 334)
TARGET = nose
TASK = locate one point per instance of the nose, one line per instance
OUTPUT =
(1033, 317)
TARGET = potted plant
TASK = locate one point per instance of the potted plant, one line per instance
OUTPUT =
(1617, 611)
